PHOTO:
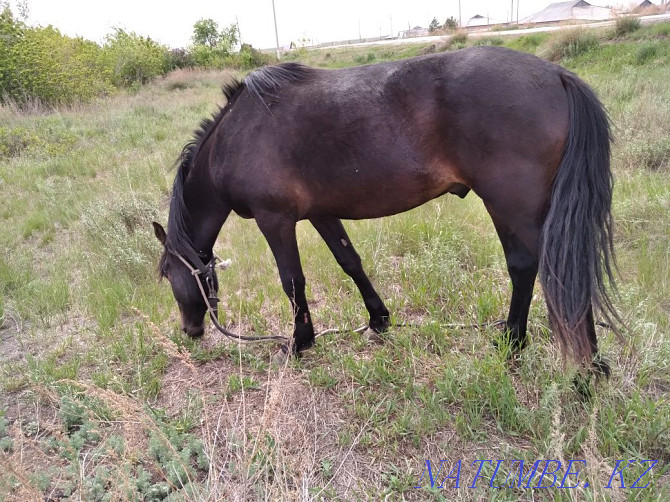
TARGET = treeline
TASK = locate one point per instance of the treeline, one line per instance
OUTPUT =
(41, 64)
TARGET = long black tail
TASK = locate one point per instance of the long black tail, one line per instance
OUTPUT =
(577, 253)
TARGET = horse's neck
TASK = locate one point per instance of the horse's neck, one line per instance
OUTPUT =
(205, 215)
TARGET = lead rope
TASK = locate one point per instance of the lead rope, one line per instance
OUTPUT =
(269, 338)
(212, 313)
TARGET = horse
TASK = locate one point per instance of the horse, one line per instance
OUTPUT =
(295, 143)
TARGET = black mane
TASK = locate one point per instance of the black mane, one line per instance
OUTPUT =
(266, 80)
(178, 239)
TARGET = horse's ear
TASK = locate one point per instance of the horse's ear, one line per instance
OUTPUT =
(160, 232)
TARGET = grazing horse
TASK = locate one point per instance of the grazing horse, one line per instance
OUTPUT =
(292, 143)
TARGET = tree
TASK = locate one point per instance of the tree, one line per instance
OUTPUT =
(434, 25)
(451, 23)
(206, 32)
(211, 47)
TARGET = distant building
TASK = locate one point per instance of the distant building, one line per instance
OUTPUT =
(478, 21)
(576, 10)
(417, 31)
(642, 7)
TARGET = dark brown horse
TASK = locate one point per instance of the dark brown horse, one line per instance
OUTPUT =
(292, 143)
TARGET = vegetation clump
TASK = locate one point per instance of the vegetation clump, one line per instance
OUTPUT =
(569, 43)
(625, 25)
(40, 64)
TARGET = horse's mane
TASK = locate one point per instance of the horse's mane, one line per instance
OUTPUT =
(266, 81)
(262, 83)
(178, 239)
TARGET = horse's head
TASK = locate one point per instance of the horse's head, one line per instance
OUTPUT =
(187, 275)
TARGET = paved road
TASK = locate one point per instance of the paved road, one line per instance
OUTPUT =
(645, 20)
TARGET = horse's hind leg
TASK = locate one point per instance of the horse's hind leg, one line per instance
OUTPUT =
(332, 231)
(279, 231)
(600, 366)
(521, 254)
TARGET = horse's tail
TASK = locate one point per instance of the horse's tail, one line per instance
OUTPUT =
(576, 253)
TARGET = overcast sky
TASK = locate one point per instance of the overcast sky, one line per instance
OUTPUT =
(171, 21)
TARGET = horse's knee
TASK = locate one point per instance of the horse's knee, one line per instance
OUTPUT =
(293, 285)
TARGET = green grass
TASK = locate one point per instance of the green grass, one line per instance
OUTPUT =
(102, 397)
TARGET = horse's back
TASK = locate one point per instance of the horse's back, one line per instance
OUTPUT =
(394, 135)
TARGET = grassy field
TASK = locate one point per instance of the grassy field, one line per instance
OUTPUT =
(103, 398)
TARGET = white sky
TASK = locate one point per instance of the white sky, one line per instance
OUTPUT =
(171, 21)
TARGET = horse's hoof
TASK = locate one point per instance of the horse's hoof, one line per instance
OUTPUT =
(281, 357)
(372, 336)
(509, 346)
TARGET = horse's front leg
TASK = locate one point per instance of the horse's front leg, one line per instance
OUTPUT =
(333, 233)
(279, 231)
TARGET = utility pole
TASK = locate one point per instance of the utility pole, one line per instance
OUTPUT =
(517, 12)
(460, 19)
(511, 13)
(274, 14)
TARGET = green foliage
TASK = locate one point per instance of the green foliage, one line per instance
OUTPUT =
(249, 58)
(6, 443)
(527, 43)
(645, 53)
(44, 65)
(460, 37)
(625, 25)
(489, 41)
(179, 58)
(212, 48)
(206, 32)
(179, 455)
(450, 24)
(434, 25)
(133, 59)
(41, 63)
(568, 44)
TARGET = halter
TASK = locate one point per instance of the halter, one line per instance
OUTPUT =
(207, 271)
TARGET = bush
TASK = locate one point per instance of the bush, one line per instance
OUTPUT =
(178, 59)
(569, 43)
(41, 64)
(460, 37)
(645, 53)
(625, 25)
(249, 58)
(527, 43)
(489, 41)
(133, 59)
(56, 69)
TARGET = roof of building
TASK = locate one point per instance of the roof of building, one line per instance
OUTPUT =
(563, 11)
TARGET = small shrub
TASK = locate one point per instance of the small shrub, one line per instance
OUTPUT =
(178, 80)
(648, 155)
(569, 43)
(429, 49)
(179, 58)
(133, 59)
(489, 41)
(15, 140)
(365, 58)
(645, 53)
(249, 58)
(626, 25)
(460, 37)
(6, 443)
(527, 43)
(120, 233)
